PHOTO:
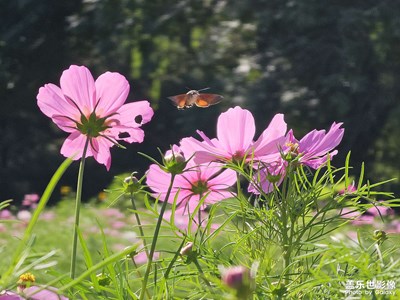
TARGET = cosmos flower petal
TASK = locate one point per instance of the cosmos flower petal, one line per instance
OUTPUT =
(315, 145)
(73, 146)
(331, 139)
(134, 114)
(224, 180)
(157, 179)
(38, 293)
(102, 152)
(203, 152)
(236, 129)
(218, 195)
(53, 104)
(77, 83)
(311, 140)
(272, 136)
(316, 162)
(112, 89)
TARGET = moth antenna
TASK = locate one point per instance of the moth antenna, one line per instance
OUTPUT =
(207, 88)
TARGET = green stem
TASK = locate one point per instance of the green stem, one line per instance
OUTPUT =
(155, 237)
(285, 238)
(288, 222)
(77, 208)
(139, 224)
(202, 276)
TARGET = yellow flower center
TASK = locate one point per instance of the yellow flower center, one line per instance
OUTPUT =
(26, 277)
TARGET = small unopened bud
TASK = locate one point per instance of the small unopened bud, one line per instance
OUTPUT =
(187, 250)
(239, 279)
(103, 279)
(176, 157)
(174, 161)
(132, 184)
(380, 236)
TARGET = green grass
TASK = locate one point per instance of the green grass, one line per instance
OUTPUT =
(350, 252)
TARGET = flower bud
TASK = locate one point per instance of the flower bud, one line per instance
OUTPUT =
(380, 236)
(239, 279)
(174, 161)
(131, 184)
(103, 279)
(187, 250)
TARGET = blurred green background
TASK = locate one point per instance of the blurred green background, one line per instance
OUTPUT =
(315, 61)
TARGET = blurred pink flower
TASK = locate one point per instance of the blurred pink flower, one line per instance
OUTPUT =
(113, 213)
(49, 293)
(47, 215)
(118, 246)
(8, 295)
(355, 217)
(182, 220)
(141, 258)
(364, 219)
(24, 215)
(369, 217)
(111, 232)
(194, 183)
(30, 199)
(348, 190)
(94, 110)
(352, 235)
(394, 227)
(118, 224)
(378, 211)
(313, 148)
(6, 214)
(235, 133)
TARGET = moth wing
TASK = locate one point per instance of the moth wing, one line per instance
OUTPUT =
(179, 100)
(205, 100)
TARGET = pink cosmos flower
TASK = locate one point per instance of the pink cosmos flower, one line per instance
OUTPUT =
(311, 151)
(194, 183)
(33, 293)
(94, 110)
(313, 148)
(267, 175)
(235, 133)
